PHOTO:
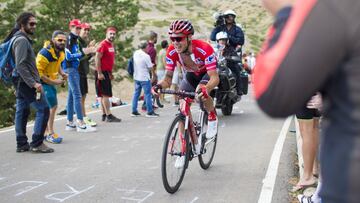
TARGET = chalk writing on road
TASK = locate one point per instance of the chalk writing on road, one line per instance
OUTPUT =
(135, 195)
(26, 186)
(62, 196)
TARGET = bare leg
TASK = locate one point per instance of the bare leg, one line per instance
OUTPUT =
(50, 126)
(309, 147)
(106, 105)
(83, 105)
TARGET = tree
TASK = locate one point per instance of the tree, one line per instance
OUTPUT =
(123, 14)
(7, 103)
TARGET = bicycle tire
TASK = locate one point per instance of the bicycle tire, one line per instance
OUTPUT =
(168, 187)
(203, 161)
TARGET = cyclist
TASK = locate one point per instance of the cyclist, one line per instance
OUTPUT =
(198, 61)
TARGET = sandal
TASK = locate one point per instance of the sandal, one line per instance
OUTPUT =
(302, 187)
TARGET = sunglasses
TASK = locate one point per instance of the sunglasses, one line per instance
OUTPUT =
(60, 40)
(227, 16)
(177, 39)
(32, 24)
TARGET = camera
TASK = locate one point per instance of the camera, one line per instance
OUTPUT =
(219, 19)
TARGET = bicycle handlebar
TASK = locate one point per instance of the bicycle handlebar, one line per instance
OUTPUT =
(179, 93)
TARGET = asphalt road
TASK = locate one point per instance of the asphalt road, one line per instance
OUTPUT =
(121, 162)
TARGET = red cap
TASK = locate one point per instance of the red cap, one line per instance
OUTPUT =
(111, 29)
(75, 22)
(85, 26)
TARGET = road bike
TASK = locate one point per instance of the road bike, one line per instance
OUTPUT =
(180, 142)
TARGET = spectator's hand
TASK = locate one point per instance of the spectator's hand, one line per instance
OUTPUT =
(101, 76)
(315, 102)
(274, 6)
(92, 43)
(65, 76)
(111, 76)
(38, 87)
(59, 82)
(155, 89)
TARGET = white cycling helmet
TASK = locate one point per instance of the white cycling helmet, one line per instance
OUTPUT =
(221, 35)
(230, 12)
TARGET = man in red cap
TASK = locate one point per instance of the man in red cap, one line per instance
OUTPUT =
(84, 68)
(73, 54)
(105, 60)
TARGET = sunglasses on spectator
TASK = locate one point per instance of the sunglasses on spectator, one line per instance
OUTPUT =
(32, 24)
(60, 40)
(177, 39)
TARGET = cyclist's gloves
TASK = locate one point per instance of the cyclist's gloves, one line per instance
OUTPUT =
(155, 89)
(202, 90)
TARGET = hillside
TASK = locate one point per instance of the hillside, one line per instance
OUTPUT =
(157, 15)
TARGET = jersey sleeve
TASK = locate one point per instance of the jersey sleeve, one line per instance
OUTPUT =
(301, 60)
(210, 58)
(171, 58)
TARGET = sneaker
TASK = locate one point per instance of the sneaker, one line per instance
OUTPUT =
(90, 122)
(212, 125)
(53, 138)
(42, 149)
(135, 114)
(152, 115)
(103, 117)
(180, 162)
(304, 199)
(70, 126)
(83, 128)
(23, 148)
(111, 118)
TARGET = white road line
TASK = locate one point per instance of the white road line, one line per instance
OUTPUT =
(194, 200)
(271, 173)
(63, 118)
(12, 128)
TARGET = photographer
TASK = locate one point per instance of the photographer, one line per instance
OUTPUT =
(226, 23)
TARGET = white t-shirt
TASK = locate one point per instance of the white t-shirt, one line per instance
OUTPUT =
(142, 65)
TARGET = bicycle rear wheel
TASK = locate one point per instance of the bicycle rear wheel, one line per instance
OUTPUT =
(209, 145)
(175, 146)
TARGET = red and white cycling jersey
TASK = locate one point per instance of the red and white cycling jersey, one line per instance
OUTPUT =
(202, 54)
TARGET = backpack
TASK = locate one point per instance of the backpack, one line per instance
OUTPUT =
(7, 63)
(130, 66)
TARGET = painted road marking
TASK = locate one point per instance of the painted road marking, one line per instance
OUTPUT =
(271, 173)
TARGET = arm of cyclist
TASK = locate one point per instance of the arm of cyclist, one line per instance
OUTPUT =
(301, 59)
(165, 83)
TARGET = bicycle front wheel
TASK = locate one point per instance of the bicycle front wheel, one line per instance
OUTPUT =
(175, 156)
(208, 145)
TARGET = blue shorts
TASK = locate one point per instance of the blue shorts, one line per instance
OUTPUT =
(50, 95)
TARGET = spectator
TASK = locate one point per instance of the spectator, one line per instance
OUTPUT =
(161, 63)
(48, 62)
(84, 69)
(73, 54)
(142, 66)
(29, 91)
(150, 49)
(105, 60)
(235, 33)
(297, 61)
(308, 118)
